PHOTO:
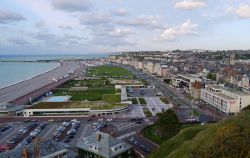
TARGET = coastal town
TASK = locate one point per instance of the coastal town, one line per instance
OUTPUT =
(124, 79)
(113, 106)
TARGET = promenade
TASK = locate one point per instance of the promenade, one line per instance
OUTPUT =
(39, 84)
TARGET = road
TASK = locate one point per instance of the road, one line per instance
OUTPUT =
(16, 91)
(206, 114)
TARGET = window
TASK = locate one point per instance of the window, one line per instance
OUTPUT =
(120, 147)
(90, 146)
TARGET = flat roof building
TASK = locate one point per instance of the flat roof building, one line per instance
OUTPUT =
(225, 100)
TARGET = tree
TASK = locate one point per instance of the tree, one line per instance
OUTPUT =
(211, 76)
(246, 108)
(168, 123)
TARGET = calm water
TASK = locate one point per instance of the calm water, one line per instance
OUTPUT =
(14, 72)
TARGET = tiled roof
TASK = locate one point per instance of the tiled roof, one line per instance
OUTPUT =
(104, 142)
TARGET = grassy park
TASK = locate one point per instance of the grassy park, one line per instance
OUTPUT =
(91, 94)
(110, 71)
(86, 83)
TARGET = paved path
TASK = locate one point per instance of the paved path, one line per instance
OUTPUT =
(155, 105)
(126, 135)
(16, 91)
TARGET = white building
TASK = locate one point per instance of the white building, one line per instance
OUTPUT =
(186, 80)
(149, 67)
(157, 69)
(225, 100)
(141, 65)
(245, 82)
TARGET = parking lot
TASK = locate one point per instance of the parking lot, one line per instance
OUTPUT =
(17, 135)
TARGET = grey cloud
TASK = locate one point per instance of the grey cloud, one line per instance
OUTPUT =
(72, 5)
(18, 41)
(9, 17)
(65, 27)
(40, 24)
(119, 12)
(95, 18)
(110, 41)
(149, 22)
(108, 35)
(56, 40)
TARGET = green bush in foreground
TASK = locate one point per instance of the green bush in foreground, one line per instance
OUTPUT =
(228, 138)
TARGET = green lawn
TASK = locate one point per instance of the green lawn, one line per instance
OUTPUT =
(110, 71)
(177, 145)
(112, 98)
(134, 101)
(92, 94)
(86, 83)
(142, 101)
(164, 100)
(147, 112)
(195, 113)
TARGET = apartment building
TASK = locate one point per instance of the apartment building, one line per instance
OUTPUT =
(225, 100)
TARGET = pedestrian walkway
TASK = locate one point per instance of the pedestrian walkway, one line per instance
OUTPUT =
(155, 105)
(126, 135)
(124, 125)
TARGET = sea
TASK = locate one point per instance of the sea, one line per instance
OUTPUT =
(14, 70)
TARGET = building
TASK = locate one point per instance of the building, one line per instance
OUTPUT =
(7, 109)
(141, 65)
(74, 109)
(157, 69)
(186, 81)
(42, 149)
(196, 90)
(245, 82)
(232, 59)
(225, 100)
(102, 145)
(149, 67)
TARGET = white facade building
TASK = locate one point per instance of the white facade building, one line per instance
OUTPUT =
(245, 82)
(225, 100)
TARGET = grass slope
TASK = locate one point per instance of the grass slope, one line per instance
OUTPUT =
(176, 142)
(227, 138)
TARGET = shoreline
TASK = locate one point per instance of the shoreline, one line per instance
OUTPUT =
(32, 77)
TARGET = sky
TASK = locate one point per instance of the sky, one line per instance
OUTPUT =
(106, 26)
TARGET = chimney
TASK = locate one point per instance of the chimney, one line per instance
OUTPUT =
(25, 153)
(98, 137)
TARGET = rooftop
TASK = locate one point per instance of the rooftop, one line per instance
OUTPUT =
(95, 105)
(104, 142)
(47, 148)
(228, 89)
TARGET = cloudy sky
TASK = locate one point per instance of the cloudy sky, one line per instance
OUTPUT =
(101, 26)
